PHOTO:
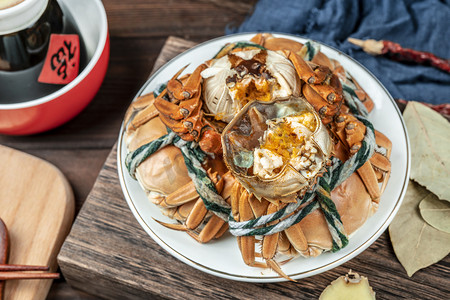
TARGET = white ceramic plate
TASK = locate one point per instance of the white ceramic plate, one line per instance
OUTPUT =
(222, 257)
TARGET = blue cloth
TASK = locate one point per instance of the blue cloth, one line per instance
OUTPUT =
(421, 25)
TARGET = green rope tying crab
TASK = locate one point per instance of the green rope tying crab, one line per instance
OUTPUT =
(193, 156)
(317, 197)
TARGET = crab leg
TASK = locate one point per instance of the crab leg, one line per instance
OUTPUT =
(192, 85)
(325, 110)
(141, 103)
(177, 127)
(183, 195)
(178, 92)
(246, 207)
(215, 226)
(303, 69)
(384, 142)
(167, 108)
(175, 111)
(284, 245)
(322, 59)
(184, 129)
(174, 85)
(194, 212)
(297, 238)
(197, 215)
(370, 180)
(339, 71)
(380, 162)
(381, 166)
(194, 123)
(188, 107)
(212, 227)
(331, 92)
(354, 134)
(242, 211)
(384, 164)
(351, 132)
(199, 210)
(144, 116)
(258, 39)
(376, 169)
(270, 245)
(228, 183)
(247, 243)
(183, 211)
(187, 194)
(259, 207)
(321, 72)
(221, 231)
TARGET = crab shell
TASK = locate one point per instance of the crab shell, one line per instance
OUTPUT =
(221, 102)
(164, 172)
(354, 206)
(242, 135)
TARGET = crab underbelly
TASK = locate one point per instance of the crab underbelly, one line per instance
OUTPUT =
(163, 172)
(354, 206)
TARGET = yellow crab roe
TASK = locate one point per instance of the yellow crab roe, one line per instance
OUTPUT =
(283, 140)
(248, 91)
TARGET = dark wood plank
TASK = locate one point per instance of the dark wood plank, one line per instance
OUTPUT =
(87, 162)
(108, 254)
(195, 20)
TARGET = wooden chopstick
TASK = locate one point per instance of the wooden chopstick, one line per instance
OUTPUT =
(5, 268)
(23, 275)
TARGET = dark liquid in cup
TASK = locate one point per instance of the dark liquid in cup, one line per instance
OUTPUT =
(22, 55)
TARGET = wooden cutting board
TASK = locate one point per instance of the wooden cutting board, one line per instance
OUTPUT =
(37, 206)
(109, 255)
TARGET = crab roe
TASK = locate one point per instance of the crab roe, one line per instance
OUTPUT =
(288, 140)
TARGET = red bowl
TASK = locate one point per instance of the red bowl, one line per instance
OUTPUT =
(57, 108)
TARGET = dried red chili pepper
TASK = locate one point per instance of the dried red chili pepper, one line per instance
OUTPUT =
(397, 52)
(443, 109)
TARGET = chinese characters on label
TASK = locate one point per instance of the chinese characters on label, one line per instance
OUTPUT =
(62, 62)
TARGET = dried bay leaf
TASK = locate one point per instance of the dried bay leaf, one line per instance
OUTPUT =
(436, 212)
(416, 244)
(430, 148)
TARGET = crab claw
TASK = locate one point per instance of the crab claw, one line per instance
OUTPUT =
(211, 142)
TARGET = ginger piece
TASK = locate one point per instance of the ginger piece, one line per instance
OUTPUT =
(349, 287)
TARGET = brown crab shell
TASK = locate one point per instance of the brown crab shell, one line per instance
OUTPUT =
(242, 135)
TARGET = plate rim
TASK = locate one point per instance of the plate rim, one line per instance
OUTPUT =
(264, 279)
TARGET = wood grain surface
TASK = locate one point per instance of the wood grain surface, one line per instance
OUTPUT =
(37, 206)
(108, 254)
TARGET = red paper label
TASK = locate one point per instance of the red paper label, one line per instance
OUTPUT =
(63, 59)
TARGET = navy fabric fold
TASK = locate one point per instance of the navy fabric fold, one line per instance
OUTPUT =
(421, 25)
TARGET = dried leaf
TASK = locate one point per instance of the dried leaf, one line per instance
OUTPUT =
(436, 212)
(430, 148)
(416, 244)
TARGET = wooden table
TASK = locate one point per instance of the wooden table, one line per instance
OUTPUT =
(80, 147)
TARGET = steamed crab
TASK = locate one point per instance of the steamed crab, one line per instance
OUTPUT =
(279, 110)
